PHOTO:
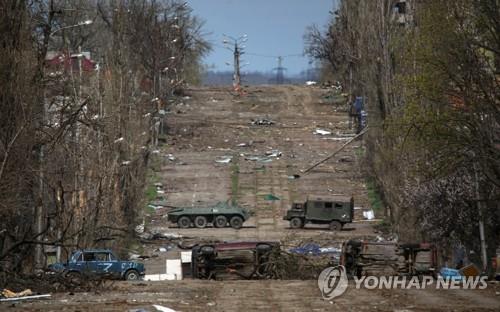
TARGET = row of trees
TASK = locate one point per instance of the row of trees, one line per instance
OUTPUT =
(430, 71)
(77, 128)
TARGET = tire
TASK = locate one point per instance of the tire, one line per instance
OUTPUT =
(236, 222)
(335, 226)
(296, 223)
(263, 248)
(184, 222)
(207, 250)
(200, 222)
(220, 221)
(132, 275)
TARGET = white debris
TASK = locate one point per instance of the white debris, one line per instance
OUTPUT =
(119, 140)
(224, 159)
(311, 83)
(322, 132)
(162, 308)
(126, 162)
(369, 214)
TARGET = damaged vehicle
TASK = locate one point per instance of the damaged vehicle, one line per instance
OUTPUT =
(98, 262)
(235, 260)
(363, 258)
(335, 211)
(219, 216)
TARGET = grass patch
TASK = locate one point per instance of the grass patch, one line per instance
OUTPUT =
(359, 152)
(374, 196)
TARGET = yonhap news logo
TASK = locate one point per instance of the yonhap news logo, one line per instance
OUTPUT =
(333, 282)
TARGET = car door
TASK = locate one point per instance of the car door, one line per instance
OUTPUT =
(90, 266)
(107, 264)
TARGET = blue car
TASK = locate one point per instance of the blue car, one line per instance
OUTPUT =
(99, 262)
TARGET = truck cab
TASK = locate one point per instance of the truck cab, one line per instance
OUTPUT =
(333, 210)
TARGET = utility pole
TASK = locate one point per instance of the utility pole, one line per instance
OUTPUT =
(237, 53)
(280, 77)
(484, 257)
(236, 76)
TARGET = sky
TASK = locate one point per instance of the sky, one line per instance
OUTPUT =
(273, 27)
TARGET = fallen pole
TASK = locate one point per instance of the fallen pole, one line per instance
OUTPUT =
(25, 298)
(336, 152)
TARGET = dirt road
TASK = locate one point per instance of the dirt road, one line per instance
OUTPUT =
(212, 123)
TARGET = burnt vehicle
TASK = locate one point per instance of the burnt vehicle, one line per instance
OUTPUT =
(98, 262)
(219, 216)
(363, 258)
(333, 210)
(235, 260)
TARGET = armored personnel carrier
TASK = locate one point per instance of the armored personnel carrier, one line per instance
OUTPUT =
(219, 216)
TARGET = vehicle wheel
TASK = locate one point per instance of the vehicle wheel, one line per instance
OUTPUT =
(184, 222)
(236, 222)
(263, 248)
(220, 221)
(132, 275)
(296, 223)
(200, 222)
(207, 250)
(335, 226)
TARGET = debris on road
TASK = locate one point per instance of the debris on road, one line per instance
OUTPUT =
(162, 308)
(262, 122)
(369, 214)
(224, 159)
(267, 157)
(322, 132)
(271, 197)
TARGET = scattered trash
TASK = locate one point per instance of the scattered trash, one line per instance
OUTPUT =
(322, 132)
(171, 157)
(119, 140)
(245, 144)
(271, 197)
(7, 293)
(312, 249)
(126, 163)
(162, 308)
(369, 214)
(450, 273)
(262, 122)
(470, 270)
(268, 156)
(311, 83)
(224, 159)
(273, 153)
(293, 177)
(140, 228)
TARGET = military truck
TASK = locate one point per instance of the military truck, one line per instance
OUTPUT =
(333, 210)
(219, 216)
